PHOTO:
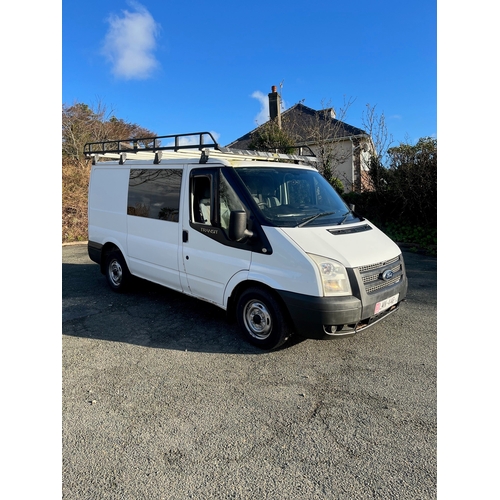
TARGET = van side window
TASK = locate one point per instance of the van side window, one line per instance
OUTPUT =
(154, 193)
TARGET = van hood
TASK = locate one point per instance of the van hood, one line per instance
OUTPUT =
(352, 245)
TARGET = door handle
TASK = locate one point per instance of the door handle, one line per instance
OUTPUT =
(184, 236)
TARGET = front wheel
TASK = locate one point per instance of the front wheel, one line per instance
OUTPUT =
(262, 320)
(117, 273)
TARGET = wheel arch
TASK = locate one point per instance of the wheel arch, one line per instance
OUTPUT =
(242, 286)
(107, 248)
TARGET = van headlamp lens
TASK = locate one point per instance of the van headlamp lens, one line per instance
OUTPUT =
(333, 276)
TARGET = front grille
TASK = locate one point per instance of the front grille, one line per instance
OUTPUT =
(372, 275)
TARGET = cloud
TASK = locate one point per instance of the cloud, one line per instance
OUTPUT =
(195, 139)
(263, 115)
(130, 43)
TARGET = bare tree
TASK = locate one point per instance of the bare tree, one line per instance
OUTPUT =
(324, 131)
(334, 143)
(376, 127)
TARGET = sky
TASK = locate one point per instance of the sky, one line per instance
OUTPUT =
(180, 67)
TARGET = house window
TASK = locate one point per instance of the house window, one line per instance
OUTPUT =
(154, 193)
(365, 161)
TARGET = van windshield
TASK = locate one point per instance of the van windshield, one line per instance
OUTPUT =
(295, 197)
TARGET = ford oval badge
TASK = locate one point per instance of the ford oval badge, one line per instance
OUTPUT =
(387, 274)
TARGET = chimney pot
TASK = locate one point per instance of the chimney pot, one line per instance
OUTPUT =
(273, 88)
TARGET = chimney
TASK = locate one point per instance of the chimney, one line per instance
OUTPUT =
(275, 106)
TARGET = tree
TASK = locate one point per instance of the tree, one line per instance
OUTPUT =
(272, 138)
(376, 127)
(405, 193)
(81, 124)
(413, 179)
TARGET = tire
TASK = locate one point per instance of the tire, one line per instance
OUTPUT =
(262, 320)
(117, 273)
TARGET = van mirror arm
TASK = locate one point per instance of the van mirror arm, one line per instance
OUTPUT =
(238, 226)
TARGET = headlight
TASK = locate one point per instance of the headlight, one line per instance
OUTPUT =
(333, 276)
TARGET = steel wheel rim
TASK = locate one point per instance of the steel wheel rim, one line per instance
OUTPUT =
(115, 272)
(257, 319)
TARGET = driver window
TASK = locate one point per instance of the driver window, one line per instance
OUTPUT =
(202, 200)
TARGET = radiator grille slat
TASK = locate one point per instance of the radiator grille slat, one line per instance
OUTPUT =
(378, 265)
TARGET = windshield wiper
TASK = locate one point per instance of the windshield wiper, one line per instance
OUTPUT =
(344, 219)
(310, 219)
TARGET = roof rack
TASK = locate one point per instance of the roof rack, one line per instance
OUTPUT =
(182, 145)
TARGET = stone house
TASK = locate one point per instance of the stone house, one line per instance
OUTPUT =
(347, 149)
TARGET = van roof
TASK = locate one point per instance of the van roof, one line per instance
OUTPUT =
(106, 161)
(195, 146)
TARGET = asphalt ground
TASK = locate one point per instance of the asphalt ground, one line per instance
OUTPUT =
(163, 399)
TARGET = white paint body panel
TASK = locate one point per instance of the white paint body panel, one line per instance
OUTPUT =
(152, 250)
(351, 250)
(287, 268)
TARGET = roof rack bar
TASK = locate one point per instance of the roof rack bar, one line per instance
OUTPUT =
(133, 144)
(182, 144)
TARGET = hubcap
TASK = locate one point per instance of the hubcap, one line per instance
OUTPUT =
(257, 319)
(115, 272)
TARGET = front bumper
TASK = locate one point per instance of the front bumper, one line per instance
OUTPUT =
(330, 317)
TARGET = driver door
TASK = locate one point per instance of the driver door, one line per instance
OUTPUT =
(209, 258)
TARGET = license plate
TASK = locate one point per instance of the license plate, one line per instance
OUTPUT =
(385, 304)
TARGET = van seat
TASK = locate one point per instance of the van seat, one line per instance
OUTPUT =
(205, 210)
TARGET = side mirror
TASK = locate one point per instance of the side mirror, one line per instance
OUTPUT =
(238, 226)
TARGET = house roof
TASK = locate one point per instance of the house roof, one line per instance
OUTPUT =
(302, 123)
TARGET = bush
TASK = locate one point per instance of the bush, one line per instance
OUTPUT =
(75, 181)
(424, 237)
(387, 214)
(337, 185)
(403, 202)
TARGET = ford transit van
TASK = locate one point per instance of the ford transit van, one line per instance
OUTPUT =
(261, 235)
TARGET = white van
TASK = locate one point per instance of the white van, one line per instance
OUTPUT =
(261, 235)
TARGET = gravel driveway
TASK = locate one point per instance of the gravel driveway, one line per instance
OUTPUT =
(163, 399)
